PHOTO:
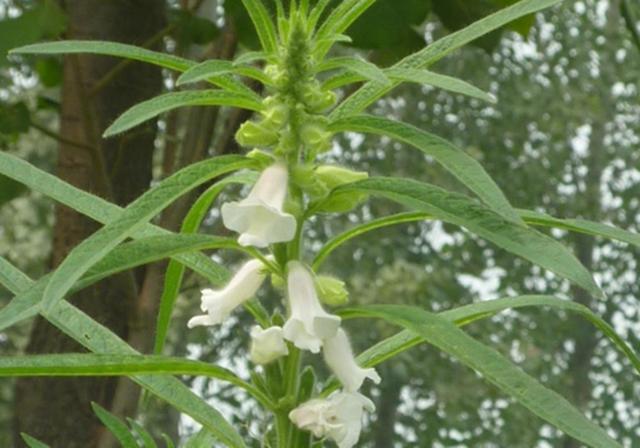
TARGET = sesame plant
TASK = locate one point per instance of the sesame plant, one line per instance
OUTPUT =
(296, 120)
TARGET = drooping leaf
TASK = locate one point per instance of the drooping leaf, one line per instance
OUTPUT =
(146, 110)
(133, 218)
(461, 210)
(116, 426)
(494, 368)
(99, 339)
(95, 208)
(467, 314)
(449, 83)
(371, 91)
(581, 226)
(464, 167)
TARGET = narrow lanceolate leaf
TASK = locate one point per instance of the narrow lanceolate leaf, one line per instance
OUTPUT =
(463, 211)
(100, 339)
(32, 442)
(464, 315)
(449, 83)
(115, 426)
(145, 437)
(359, 66)
(13, 278)
(338, 21)
(464, 167)
(211, 69)
(146, 110)
(175, 270)
(27, 303)
(205, 70)
(373, 90)
(496, 369)
(263, 24)
(581, 226)
(108, 49)
(132, 52)
(136, 215)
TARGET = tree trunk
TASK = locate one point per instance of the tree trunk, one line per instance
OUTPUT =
(58, 411)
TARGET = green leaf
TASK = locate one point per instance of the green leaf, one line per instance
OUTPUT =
(45, 20)
(263, 24)
(371, 91)
(339, 240)
(32, 442)
(464, 167)
(205, 70)
(13, 278)
(168, 442)
(99, 339)
(146, 110)
(94, 207)
(108, 49)
(175, 270)
(154, 248)
(132, 52)
(581, 226)
(467, 314)
(341, 17)
(441, 81)
(496, 369)
(147, 439)
(138, 213)
(359, 66)
(117, 427)
(208, 69)
(463, 211)
(202, 439)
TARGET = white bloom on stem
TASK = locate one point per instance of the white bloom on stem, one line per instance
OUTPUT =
(339, 357)
(338, 417)
(309, 324)
(267, 344)
(259, 218)
(218, 304)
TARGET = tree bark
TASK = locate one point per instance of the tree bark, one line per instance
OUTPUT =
(58, 411)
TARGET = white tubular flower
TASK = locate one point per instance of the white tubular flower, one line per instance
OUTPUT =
(339, 417)
(267, 345)
(259, 217)
(218, 304)
(309, 324)
(339, 357)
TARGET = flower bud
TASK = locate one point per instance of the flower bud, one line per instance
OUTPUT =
(267, 345)
(331, 290)
(263, 158)
(317, 99)
(333, 177)
(316, 138)
(255, 134)
(276, 113)
(305, 178)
